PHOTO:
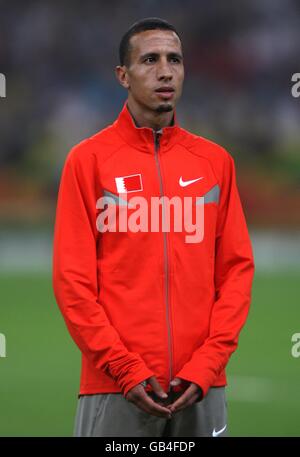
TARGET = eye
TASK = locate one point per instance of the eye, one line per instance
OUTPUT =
(149, 59)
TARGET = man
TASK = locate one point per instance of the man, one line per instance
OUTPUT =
(155, 310)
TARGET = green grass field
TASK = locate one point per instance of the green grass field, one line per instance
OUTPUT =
(39, 378)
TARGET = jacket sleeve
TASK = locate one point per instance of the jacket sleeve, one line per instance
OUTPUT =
(74, 276)
(234, 271)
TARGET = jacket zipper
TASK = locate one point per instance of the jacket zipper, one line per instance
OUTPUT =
(166, 260)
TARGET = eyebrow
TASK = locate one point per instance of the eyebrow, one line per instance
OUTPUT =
(155, 54)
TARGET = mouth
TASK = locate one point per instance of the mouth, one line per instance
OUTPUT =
(165, 92)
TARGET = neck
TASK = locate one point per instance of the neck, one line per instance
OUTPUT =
(148, 118)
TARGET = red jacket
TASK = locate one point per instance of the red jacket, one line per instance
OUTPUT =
(142, 303)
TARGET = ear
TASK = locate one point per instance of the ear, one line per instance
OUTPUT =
(122, 76)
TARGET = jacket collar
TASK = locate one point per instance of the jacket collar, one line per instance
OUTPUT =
(143, 138)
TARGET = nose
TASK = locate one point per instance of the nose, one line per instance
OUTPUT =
(164, 70)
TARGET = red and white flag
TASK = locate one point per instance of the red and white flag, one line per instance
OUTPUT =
(130, 183)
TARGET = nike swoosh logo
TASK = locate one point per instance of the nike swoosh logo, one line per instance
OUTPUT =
(217, 433)
(187, 183)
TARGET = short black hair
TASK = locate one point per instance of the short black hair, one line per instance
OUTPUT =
(149, 23)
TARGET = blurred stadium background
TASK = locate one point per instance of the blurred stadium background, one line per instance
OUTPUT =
(58, 60)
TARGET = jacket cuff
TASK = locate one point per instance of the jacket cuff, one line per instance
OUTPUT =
(133, 380)
(195, 377)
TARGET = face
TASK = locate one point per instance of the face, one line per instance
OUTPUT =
(155, 74)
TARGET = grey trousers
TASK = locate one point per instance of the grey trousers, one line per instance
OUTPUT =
(111, 415)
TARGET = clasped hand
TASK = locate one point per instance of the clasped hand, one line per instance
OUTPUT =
(139, 397)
